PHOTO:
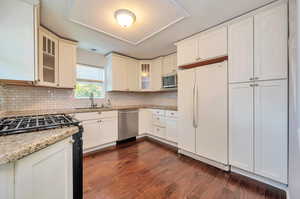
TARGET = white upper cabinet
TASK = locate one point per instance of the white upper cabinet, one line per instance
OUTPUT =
(240, 47)
(145, 70)
(18, 33)
(206, 45)
(187, 52)
(48, 59)
(271, 43)
(212, 44)
(156, 74)
(57, 61)
(67, 64)
(116, 73)
(169, 64)
(132, 74)
(271, 129)
(241, 129)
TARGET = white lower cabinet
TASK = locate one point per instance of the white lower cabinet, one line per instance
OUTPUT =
(271, 129)
(100, 128)
(159, 123)
(171, 129)
(241, 129)
(46, 174)
(145, 122)
(258, 127)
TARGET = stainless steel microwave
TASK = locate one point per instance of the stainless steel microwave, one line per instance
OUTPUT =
(169, 81)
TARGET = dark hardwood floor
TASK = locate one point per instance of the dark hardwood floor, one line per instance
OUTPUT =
(149, 170)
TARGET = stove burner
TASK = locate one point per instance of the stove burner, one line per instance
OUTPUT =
(23, 124)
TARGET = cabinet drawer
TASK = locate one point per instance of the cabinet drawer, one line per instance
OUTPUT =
(173, 114)
(95, 115)
(158, 121)
(158, 112)
(159, 131)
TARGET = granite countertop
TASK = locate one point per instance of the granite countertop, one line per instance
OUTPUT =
(15, 147)
(83, 110)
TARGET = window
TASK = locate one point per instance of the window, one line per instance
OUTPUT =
(90, 79)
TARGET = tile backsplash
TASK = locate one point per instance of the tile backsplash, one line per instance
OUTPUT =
(19, 98)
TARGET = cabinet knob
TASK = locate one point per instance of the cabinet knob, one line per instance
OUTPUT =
(251, 78)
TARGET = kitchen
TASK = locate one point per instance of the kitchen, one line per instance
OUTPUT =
(127, 104)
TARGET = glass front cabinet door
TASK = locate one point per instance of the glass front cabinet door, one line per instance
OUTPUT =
(48, 59)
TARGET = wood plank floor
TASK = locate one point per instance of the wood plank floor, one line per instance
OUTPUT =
(149, 170)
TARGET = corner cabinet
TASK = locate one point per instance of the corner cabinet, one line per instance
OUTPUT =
(57, 61)
(121, 73)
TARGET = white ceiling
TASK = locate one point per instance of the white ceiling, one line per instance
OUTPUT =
(159, 24)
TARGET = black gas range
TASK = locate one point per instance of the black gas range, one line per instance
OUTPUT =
(33, 123)
(24, 124)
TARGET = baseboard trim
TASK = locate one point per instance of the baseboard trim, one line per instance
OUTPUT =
(262, 179)
(205, 160)
(99, 148)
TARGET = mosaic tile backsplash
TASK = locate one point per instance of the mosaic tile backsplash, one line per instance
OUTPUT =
(18, 98)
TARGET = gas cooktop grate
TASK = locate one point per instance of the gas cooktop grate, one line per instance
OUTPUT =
(23, 124)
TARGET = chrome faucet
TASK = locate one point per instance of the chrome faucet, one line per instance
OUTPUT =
(93, 104)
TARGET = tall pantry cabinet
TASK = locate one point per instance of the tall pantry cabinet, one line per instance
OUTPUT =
(258, 93)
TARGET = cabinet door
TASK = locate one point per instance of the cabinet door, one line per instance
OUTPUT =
(211, 116)
(186, 94)
(48, 59)
(145, 69)
(132, 75)
(108, 130)
(156, 75)
(212, 44)
(159, 131)
(171, 129)
(92, 134)
(271, 41)
(18, 38)
(187, 52)
(241, 38)
(67, 64)
(46, 174)
(241, 126)
(167, 65)
(119, 74)
(145, 121)
(271, 113)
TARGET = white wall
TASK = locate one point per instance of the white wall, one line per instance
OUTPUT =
(91, 58)
(294, 134)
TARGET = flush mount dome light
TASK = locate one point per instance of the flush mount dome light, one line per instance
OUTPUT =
(125, 18)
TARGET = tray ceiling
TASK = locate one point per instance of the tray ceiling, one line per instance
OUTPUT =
(152, 17)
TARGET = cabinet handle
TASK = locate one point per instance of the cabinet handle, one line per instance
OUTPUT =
(57, 84)
(256, 78)
(251, 78)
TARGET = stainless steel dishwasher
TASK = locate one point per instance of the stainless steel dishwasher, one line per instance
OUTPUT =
(128, 121)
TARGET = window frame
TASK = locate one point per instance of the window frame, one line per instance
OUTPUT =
(91, 81)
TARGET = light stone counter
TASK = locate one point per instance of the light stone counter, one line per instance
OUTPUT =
(15, 147)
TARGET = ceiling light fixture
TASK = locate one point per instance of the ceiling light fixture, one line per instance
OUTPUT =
(125, 18)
